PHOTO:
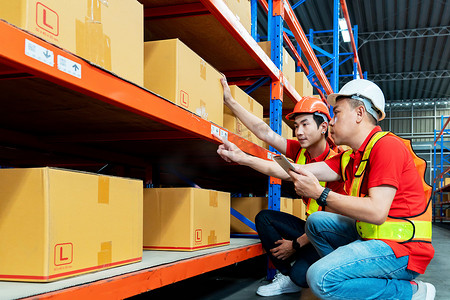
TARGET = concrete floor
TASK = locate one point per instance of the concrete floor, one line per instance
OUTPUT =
(240, 281)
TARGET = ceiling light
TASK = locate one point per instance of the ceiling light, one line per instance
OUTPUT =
(344, 30)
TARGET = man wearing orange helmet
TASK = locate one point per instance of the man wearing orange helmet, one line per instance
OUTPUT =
(283, 235)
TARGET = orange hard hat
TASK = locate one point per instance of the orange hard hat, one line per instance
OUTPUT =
(309, 105)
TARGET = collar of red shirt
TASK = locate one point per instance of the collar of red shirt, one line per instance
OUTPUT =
(321, 157)
(366, 141)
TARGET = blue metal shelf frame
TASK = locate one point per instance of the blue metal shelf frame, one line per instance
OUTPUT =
(444, 155)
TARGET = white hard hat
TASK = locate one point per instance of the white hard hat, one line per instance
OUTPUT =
(363, 89)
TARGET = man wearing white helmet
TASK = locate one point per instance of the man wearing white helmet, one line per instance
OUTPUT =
(381, 239)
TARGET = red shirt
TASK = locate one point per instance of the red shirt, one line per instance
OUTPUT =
(293, 149)
(391, 163)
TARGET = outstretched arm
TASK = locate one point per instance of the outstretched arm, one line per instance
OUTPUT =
(252, 122)
(231, 153)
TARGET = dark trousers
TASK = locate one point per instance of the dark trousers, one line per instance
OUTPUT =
(273, 226)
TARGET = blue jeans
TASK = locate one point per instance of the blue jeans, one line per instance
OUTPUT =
(351, 268)
(273, 226)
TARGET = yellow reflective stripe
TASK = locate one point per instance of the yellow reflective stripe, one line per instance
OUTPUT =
(345, 159)
(301, 160)
(397, 231)
(312, 205)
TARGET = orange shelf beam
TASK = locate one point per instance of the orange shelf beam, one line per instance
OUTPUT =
(108, 88)
(138, 282)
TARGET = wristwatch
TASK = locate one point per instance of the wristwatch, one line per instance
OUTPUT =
(322, 200)
(295, 245)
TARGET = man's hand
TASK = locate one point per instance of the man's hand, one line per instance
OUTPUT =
(305, 183)
(230, 152)
(284, 250)
(227, 98)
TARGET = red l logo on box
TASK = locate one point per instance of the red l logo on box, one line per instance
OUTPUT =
(63, 254)
(198, 235)
(47, 19)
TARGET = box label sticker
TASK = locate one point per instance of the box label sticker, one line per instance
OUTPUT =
(63, 254)
(224, 133)
(215, 130)
(68, 66)
(47, 19)
(39, 53)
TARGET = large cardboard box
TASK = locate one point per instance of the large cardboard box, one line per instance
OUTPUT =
(286, 131)
(250, 207)
(242, 11)
(108, 33)
(175, 72)
(289, 65)
(232, 123)
(302, 85)
(299, 209)
(56, 223)
(185, 219)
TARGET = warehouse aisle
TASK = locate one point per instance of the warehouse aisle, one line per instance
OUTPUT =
(239, 282)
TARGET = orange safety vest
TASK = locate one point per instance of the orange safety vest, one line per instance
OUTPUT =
(400, 229)
(311, 204)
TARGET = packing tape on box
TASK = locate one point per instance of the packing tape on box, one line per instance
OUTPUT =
(103, 189)
(213, 201)
(105, 255)
(91, 41)
(250, 101)
(212, 238)
(203, 69)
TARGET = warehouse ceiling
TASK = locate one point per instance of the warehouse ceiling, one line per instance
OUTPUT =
(404, 45)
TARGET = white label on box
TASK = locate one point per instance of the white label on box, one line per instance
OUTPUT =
(39, 53)
(224, 133)
(215, 130)
(68, 66)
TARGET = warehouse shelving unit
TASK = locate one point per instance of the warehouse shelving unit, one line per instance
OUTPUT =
(441, 189)
(90, 119)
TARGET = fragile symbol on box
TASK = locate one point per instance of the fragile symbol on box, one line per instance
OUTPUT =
(184, 98)
(198, 235)
(47, 19)
(63, 254)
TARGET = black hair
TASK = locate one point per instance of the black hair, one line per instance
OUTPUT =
(354, 103)
(319, 120)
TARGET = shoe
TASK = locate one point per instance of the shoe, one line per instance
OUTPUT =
(425, 291)
(281, 284)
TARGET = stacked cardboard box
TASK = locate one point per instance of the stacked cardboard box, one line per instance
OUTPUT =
(250, 207)
(56, 223)
(299, 209)
(232, 123)
(288, 67)
(106, 33)
(242, 11)
(185, 219)
(302, 85)
(176, 73)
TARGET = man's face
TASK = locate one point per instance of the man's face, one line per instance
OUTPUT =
(306, 130)
(341, 126)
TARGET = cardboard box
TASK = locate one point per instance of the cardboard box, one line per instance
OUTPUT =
(299, 209)
(289, 65)
(242, 11)
(175, 72)
(250, 207)
(56, 223)
(185, 219)
(108, 33)
(232, 123)
(286, 131)
(302, 85)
